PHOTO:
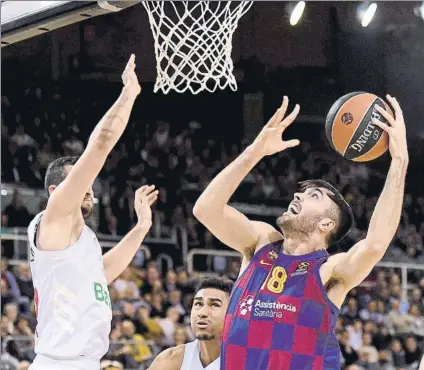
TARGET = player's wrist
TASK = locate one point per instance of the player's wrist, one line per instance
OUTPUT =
(254, 152)
(143, 226)
(130, 91)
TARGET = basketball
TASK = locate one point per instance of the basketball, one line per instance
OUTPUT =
(350, 130)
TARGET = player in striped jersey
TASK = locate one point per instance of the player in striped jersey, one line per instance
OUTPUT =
(284, 306)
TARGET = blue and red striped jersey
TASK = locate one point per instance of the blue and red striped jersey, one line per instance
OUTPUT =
(279, 316)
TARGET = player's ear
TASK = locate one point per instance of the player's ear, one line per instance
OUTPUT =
(326, 224)
(51, 188)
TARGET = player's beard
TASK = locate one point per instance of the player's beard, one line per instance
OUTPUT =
(205, 337)
(300, 225)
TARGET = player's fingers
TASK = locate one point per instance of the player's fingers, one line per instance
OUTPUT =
(148, 190)
(291, 117)
(145, 189)
(279, 114)
(291, 143)
(382, 125)
(389, 118)
(152, 198)
(283, 108)
(395, 104)
(272, 120)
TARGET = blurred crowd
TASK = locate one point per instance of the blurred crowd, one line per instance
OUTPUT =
(38, 125)
(380, 328)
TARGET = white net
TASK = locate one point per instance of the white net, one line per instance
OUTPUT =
(193, 43)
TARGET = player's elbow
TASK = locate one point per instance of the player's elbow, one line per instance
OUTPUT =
(203, 211)
(198, 210)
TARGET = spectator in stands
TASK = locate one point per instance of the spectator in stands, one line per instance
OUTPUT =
(171, 281)
(350, 311)
(398, 321)
(385, 361)
(412, 352)
(18, 215)
(11, 311)
(124, 282)
(180, 335)
(417, 321)
(151, 328)
(370, 313)
(350, 356)
(157, 307)
(9, 278)
(152, 277)
(174, 300)
(355, 334)
(398, 354)
(134, 345)
(368, 349)
(25, 286)
(417, 298)
(168, 326)
(6, 296)
(21, 138)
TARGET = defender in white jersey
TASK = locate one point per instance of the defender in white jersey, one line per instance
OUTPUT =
(69, 273)
(207, 321)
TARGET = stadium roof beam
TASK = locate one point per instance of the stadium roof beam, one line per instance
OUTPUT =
(21, 20)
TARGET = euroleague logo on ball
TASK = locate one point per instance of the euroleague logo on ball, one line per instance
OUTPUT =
(347, 118)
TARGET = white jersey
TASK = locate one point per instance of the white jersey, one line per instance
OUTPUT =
(192, 361)
(72, 302)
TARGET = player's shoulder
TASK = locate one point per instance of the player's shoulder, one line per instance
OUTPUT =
(170, 359)
(332, 261)
(336, 258)
(267, 233)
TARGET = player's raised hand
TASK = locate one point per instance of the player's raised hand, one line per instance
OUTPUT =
(395, 129)
(144, 198)
(269, 140)
(129, 78)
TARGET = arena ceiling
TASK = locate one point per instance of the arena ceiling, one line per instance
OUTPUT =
(21, 20)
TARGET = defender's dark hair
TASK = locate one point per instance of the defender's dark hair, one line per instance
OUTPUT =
(224, 284)
(346, 219)
(55, 173)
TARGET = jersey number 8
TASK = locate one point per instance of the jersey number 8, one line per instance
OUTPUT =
(275, 282)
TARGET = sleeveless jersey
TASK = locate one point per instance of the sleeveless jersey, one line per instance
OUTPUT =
(279, 316)
(72, 301)
(192, 361)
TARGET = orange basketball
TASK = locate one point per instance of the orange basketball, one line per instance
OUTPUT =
(350, 130)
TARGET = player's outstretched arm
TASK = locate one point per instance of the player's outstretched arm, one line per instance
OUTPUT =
(212, 210)
(65, 200)
(118, 258)
(356, 264)
(170, 359)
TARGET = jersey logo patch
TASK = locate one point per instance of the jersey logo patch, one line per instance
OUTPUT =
(302, 268)
(246, 305)
(272, 255)
(263, 262)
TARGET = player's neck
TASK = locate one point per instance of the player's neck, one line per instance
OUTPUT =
(299, 246)
(209, 351)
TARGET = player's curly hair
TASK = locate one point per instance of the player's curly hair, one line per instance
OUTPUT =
(345, 219)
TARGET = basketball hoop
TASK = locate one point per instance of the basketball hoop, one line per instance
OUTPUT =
(193, 43)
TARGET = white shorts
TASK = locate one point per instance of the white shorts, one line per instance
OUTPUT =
(45, 363)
